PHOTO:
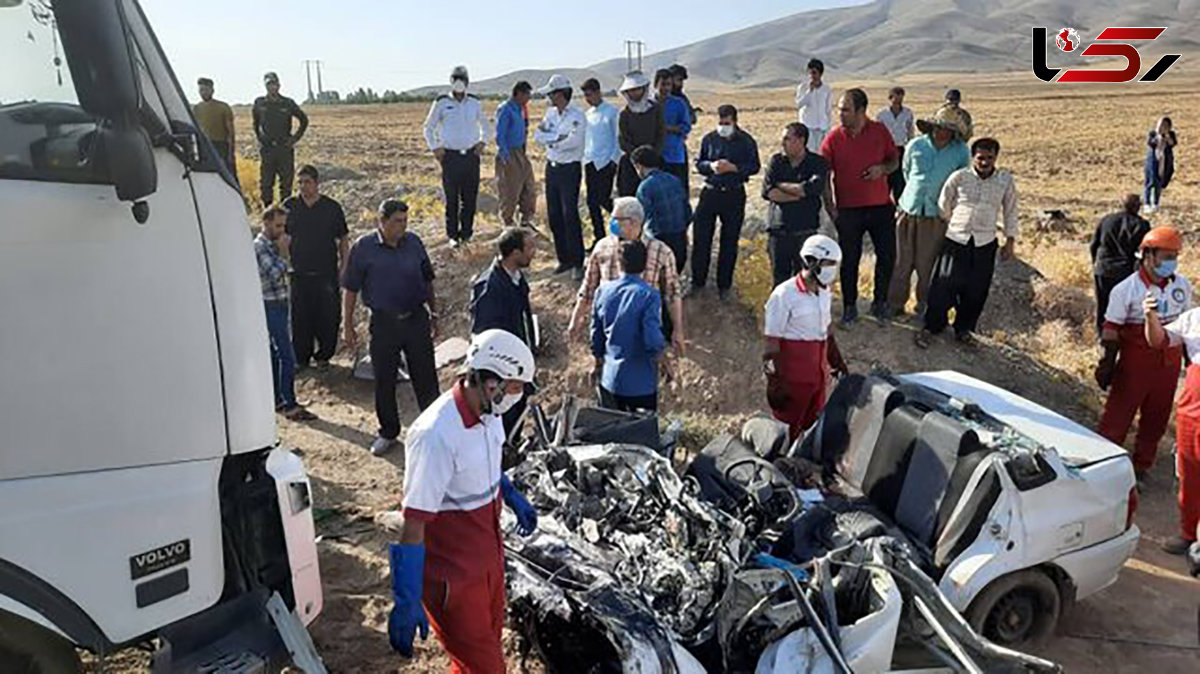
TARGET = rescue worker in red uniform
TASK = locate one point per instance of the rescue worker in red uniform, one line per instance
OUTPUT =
(450, 555)
(1185, 332)
(1143, 378)
(800, 351)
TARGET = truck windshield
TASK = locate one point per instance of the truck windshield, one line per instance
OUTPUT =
(44, 133)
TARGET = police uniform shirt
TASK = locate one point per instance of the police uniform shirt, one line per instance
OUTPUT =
(455, 125)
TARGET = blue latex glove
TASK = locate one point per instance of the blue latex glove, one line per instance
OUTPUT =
(526, 513)
(408, 571)
(772, 562)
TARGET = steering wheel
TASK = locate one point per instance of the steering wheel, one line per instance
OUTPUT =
(763, 489)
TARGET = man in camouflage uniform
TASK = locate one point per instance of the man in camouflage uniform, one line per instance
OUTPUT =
(273, 115)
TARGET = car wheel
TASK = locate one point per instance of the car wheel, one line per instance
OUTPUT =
(1018, 609)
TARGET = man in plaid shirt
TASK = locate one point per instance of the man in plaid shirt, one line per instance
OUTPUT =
(271, 248)
(605, 265)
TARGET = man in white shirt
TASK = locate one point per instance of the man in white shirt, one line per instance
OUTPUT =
(972, 201)
(814, 98)
(899, 122)
(563, 132)
(455, 132)
(601, 154)
(799, 350)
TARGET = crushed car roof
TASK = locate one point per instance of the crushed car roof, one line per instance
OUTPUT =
(1075, 443)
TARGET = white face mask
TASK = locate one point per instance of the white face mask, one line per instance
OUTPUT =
(827, 275)
(726, 130)
(458, 86)
(507, 403)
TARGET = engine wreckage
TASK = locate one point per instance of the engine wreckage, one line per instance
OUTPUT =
(758, 558)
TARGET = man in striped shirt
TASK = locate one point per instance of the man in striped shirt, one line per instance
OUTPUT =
(271, 248)
(972, 201)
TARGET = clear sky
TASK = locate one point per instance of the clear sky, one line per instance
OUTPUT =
(402, 44)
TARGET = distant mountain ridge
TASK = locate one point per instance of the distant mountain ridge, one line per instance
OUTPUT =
(893, 37)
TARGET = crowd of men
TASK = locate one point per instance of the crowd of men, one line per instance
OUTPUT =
(932, 205)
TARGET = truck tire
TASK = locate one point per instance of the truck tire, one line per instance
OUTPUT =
(1019, 609)
(28, 648)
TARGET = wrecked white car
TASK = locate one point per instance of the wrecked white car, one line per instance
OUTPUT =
(854, 549)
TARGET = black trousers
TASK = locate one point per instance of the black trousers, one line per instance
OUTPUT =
(460, 182)
(276, 162)
(680, 171)
(730, 207)
(562, 209)
(962, 278)
(678, 243)
(896, 178)
(316, 316)
(392, 336)
(1104, 288)
(784, 250)
(852, 225)
(627, 177)
(612, 401)
(600, 195)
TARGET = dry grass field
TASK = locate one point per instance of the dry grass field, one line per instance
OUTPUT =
(1073, 148)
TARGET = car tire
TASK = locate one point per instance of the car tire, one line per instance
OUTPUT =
(1019, 609)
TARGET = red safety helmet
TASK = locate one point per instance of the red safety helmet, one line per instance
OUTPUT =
(1163, 238)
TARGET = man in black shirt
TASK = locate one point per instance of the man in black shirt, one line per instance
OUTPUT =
(500, 300)
(273, 116)
(1114, 250)
(794, 184)
(317, 226)
(727, 159)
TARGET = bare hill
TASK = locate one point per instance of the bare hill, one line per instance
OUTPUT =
(895, 37)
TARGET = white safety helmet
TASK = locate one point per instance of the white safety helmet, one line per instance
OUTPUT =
(821, 248)
(503, 353)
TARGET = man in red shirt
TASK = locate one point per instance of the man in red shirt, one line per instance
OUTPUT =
(862, 154)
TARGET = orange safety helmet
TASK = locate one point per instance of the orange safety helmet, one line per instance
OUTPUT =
(1163, 238)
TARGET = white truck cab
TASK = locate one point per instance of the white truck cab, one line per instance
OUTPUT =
(141, 491)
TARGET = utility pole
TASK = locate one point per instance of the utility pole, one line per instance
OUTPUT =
(308, 73)
(632, 48)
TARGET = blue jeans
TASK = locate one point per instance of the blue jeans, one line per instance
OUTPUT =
(283, 358)
(1154, 187)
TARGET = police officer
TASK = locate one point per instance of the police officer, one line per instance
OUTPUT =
(273, 116)
(455, 131)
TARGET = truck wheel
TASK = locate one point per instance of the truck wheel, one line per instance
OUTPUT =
(1018, 609)
(26, 648)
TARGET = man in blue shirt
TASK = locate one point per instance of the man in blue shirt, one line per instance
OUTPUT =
(727, 159)
(601, 155)
(677, 120)
(664, 202)
(392, 271)
(627, 336)
(514, 174)
(928, 161)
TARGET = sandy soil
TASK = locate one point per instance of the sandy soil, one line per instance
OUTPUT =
(1073, 148)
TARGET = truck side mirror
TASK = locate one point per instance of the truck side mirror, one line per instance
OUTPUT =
(130, 158)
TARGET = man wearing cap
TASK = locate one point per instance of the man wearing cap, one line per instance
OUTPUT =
(899, 121)
(514, 173)
(395, 276)
(814, 98)
(974, 202)
(679, 73)
(728, 158)
(563, 132)
(954, 100)
(455, 131)
(1114, 249)
(216, 121)
(273, 115)
(641, 123)
(1142, 377)
(447, 564)
(601, 154)
(927, 163)
(677, 122)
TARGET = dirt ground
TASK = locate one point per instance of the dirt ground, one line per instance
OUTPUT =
(1071, 148)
